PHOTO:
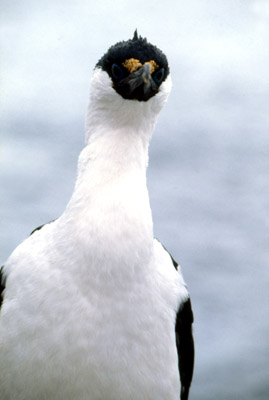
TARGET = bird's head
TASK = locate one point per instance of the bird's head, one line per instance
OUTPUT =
(130, 80)
(137, 69)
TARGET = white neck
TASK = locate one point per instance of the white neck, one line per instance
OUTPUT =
(118, 131)
(110, 202)
(108, 111)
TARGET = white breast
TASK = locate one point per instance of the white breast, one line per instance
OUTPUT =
(91, 299)
(112, 338)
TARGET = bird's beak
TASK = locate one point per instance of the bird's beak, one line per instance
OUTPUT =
(139, 85)
(140, 77)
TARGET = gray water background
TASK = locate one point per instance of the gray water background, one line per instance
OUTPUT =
(209, 164)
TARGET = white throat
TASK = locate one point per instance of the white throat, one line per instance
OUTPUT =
(108, 111)
(110, 202)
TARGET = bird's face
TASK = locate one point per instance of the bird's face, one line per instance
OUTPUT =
(129, 87)
(136, 68)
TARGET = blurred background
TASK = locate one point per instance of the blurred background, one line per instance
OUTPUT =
(209, 156)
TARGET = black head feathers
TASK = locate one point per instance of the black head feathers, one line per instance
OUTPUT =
(135, 35)
(138, 48)
(136, 68)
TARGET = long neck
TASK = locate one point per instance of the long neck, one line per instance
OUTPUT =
(109, 215)
(114, 161)
(110, 205)
(112, 167)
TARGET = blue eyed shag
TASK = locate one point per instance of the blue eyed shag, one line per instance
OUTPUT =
(93, 307)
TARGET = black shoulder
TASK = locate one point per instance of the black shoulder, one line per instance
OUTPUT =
(3, 278)
(185, 347)
(37, 229)
(172, 258)
(2, 285)
(173, 261)
(41, 226)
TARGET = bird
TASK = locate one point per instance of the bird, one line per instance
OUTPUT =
(93, 306)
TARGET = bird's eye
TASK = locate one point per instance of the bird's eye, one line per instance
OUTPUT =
(158, 75)
(117, 71)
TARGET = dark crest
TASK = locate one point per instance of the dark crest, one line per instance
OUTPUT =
(138, 48)
(135, 35)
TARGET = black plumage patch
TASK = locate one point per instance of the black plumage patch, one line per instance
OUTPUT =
(117, 59)
(2, 285)
(175, 264)
(184, 343)
(138, 48)
(185, 347)
(37, 229)
(41, 226)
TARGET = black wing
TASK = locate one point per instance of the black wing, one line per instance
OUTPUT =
(185, 343)
(2, 285)
(185, 347)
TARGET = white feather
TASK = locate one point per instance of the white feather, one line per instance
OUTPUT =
(91, 299)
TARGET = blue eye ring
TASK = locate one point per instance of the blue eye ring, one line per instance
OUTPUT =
(158, 75)
(117, 72)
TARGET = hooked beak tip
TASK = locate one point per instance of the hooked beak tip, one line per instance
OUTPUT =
(138, 85)
(146, 73)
